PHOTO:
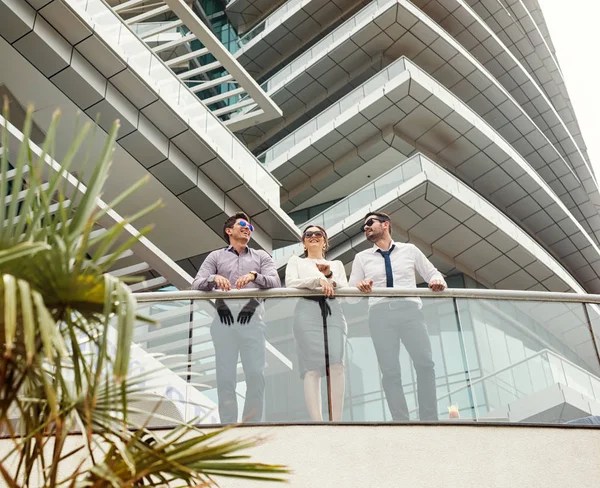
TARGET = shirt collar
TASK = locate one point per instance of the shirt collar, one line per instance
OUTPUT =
(232, 249)
(376, 248)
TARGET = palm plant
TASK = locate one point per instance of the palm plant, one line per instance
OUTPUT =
(58, 373)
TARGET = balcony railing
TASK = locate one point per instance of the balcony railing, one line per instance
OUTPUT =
(502, 356)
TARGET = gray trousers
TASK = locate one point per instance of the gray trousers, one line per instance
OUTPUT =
(389, 327)
(248, 342)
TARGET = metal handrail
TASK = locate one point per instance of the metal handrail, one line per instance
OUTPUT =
(475, 293)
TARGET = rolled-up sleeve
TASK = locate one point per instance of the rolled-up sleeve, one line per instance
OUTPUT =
(205, 278)
(267, 276)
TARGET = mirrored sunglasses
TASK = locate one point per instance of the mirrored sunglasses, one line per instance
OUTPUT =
(243, 223)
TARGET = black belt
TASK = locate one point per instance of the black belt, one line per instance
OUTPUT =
(325, 308)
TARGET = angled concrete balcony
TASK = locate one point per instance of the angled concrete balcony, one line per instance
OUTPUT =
(199, 59)
(291, 28)
(165, 128)
(403, 108)
(313, 79)
(244, 14)
(479, 39)
(522, 28)
(453, 225)
(144, 258)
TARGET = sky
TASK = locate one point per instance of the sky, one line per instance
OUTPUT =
(574, 26)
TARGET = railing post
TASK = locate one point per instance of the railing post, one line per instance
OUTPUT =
(190, 338)
(594, 341)
(324, 311)
(463, 349)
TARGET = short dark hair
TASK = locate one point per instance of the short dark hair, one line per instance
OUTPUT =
(380, 215)
(325, 238)
(230, 222)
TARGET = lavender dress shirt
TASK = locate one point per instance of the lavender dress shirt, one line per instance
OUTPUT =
(231, 265)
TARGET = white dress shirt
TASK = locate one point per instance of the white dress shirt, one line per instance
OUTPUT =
(406, 259)
(303, 273)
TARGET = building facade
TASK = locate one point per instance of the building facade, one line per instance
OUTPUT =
(452, 116)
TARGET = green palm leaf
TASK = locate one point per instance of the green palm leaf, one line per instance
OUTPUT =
(59, 370)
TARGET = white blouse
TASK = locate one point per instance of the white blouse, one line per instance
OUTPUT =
(303, 273)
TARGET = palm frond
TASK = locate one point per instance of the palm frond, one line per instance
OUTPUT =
(61, 369)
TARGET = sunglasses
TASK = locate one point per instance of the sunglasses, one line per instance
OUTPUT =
(369, 223)
(243, 223)
(316, 233)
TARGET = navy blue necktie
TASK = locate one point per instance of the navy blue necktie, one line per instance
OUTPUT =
(389, 275)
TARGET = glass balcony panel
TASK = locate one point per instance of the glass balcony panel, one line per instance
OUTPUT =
(388, 182)
(361, 198)
(490, 363)
(578, 379)
(431, 333)
(528, 350)
(163, 350)
(335, 214)
(328, 115)
(260, 355)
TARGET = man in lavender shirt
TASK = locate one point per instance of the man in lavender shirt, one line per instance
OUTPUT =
(239, 266)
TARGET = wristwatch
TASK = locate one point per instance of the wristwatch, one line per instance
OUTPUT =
(329, 275)
(253, 273)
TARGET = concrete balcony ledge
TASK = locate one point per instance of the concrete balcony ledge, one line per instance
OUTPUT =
(398, 28)
(289, 29)
(494, 54)
(522, 28)
(105, 68)
(403, 108)
(244, 14)
(452, 455)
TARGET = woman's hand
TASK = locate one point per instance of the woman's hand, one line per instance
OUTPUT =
(328, 290)
(324, 268)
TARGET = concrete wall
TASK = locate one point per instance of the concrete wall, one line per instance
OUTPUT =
(427, 456)
(432, 456)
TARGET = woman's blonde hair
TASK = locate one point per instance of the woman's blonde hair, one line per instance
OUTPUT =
(325, 239)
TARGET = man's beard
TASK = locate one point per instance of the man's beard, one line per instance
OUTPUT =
(373, 236)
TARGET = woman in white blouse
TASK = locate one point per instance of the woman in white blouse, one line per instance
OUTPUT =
(315, 272)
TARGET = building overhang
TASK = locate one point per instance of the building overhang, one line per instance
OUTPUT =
(450, 223)
(188, 151)
(403, 108)
(244, 14)
(398, 28)
(287, 29)
(494, 54)
(145, 253)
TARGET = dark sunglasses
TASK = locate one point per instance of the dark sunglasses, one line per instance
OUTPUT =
(243, 223)
(369, 223)
(316, 233)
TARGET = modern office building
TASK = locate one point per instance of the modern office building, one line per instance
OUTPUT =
(452, 116)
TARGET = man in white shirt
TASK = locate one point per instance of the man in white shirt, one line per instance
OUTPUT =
(393, 264)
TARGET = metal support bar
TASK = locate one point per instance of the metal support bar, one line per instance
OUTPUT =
(187, 57)
(173, 44)
(127, 5)
(223, 96)
(147, 15)
(205, 85)
(160, 29)
(198, 71)
(233, 108)
(477, 293)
